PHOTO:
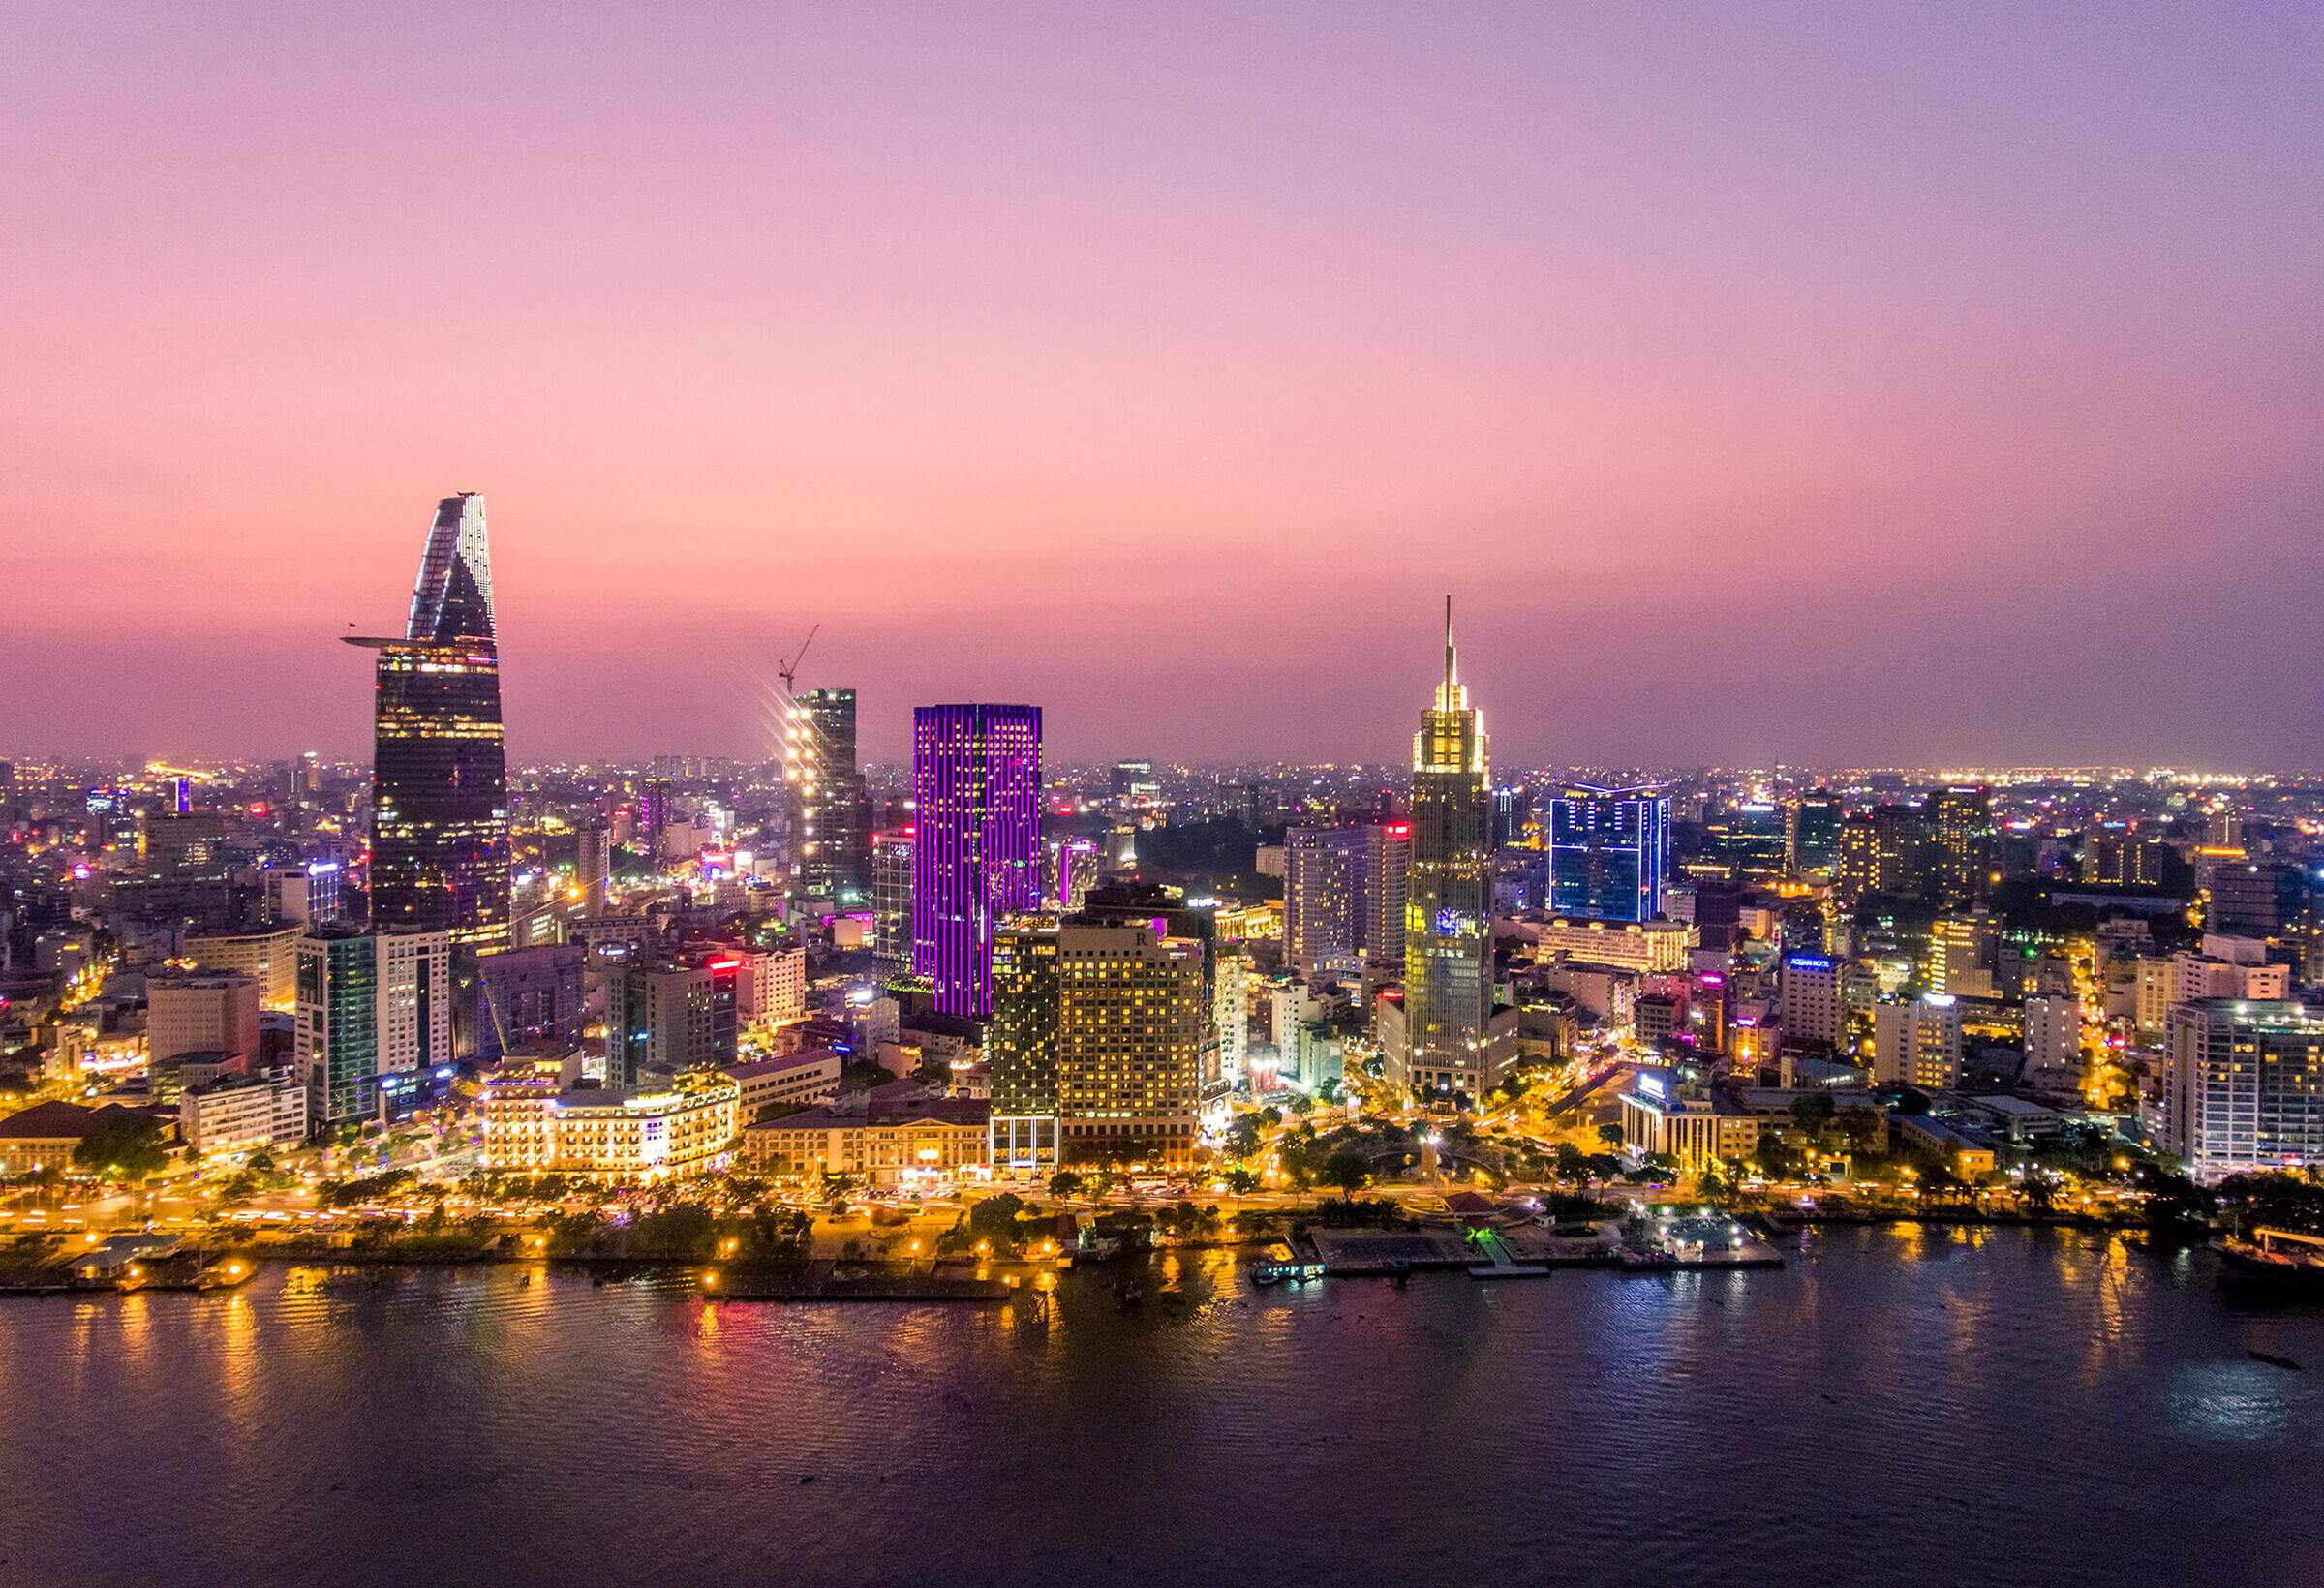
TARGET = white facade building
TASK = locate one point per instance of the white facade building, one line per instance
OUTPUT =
(2054, 1042)
(1918, 1043)
(1809, 988)
(775, 991)
(243, 1113)
(2243, 1088)
(617, 1133)
(202, 1012)
(1655, 947)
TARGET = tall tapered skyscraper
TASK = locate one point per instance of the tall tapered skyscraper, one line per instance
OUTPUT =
(976, 842)
(1448, 911)
(440, 781)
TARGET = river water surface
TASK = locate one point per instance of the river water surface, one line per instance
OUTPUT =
(2002, 1407)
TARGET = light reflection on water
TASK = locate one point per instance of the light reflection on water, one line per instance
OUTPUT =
(1991, 1406)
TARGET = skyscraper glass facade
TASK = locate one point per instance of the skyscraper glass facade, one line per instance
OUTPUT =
(1812, 832)
(976, 850)
(1021, 1045)
(440, 785)
(892, 898)
(1748, 838)
(338, 1003)
(374, 1013)
(834, 859)
(1609, 851)
(1966, 838)
(1448, 913)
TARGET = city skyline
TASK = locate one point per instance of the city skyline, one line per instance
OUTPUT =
(1488, 738)
(1808, 381)
(753, 732)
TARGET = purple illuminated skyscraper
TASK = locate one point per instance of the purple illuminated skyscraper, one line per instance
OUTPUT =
(976, 852)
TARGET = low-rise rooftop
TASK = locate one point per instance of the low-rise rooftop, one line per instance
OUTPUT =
(898, 1103)
(757, 1068)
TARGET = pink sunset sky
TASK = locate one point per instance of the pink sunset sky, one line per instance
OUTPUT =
(1911, 382)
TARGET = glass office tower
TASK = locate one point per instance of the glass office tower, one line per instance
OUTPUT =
(1812, 832)
(834, 856)
(1021, 1046)
(1608, 849)
(439, 784)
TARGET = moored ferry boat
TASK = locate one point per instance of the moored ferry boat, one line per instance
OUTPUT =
(1279, 1263)
(2275, 1259)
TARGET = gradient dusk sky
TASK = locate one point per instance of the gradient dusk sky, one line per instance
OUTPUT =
(1892, 381)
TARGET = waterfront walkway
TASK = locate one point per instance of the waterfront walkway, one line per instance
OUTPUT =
(1499, 1263)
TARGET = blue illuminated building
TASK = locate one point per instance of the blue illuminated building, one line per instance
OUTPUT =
(1608, 850)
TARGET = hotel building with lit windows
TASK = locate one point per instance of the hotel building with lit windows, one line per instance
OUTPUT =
(1918, 1042)
(1132, 1021)
(896, 1137)
(2243, 1087)
(639, 1134)
(1021, 1046)
(1323, 916)
(1096, 1044)
(1654, 947)
(239, 1114)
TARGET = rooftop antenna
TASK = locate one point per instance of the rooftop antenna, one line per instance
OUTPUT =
(1448, 642)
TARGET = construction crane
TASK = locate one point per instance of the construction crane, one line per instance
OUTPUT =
(788, 672)
(803, 786)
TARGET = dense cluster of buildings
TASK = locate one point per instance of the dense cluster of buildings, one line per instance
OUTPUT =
(985, 964)
(1996, 962)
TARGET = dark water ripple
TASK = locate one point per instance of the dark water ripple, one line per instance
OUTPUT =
(1895, 1406)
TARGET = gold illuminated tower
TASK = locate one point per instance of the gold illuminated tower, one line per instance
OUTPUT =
(1448, 913)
